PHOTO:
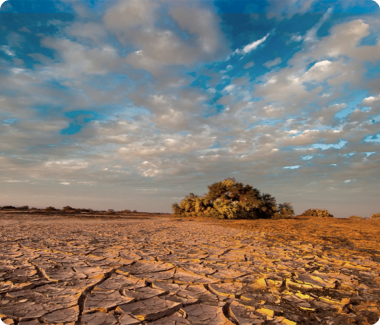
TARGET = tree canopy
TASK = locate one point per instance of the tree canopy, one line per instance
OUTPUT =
(229, 199)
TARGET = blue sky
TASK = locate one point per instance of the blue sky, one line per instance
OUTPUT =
(134, 104)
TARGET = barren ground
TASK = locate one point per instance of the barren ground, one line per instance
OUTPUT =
(162, 270)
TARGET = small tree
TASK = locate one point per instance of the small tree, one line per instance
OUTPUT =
(228, 199)
(68, 209)
(176, 209)
(284, 211)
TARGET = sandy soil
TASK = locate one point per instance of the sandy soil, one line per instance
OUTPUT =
(162, 270)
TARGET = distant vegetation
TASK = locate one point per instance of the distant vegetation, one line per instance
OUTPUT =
(229, 199)
(317, 213)
(375, 216)
(67, 210)
(356, 217)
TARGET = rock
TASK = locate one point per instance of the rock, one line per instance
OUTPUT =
(205, 314)
(143, 293)
(150, 309)
(126, 319)
(243, 315)
(101, 300)
(99, 319)
(62, 315)
(175, 319)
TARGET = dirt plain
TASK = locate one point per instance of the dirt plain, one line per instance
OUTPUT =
(170, 271)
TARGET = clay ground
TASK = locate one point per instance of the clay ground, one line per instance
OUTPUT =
(163, 270)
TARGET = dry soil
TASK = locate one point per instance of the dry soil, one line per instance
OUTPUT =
(162, 270)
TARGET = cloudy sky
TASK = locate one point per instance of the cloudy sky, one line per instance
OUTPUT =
(135, 103)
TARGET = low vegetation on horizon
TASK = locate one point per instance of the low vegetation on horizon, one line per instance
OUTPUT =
(229, 199)
(69, 210)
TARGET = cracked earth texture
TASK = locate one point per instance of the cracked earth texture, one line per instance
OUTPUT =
(167, 271)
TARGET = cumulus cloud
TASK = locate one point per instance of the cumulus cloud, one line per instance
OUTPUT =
(200, 23)
(126, 15)
(135, 23)
(78, 59)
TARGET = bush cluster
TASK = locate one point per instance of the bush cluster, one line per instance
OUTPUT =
(317, 213)
(375, 216)
(229, 199)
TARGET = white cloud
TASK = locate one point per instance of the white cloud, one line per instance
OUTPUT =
(79, 59)
(326, 115)
(252, 46)
(129, 14)
(229, 88)
(371, 100)
(249, 65)
(296, 38)
(136, 23)
(6, 49)
(200, 22)
(319, 71)
(84, 31)
(311, 35)
(70, 164)
(270, 64)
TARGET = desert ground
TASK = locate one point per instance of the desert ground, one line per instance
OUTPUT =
(163, 270)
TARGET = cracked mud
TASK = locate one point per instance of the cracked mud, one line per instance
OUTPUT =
(167, 271)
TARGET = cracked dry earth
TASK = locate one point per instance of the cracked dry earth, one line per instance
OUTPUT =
(166, 271)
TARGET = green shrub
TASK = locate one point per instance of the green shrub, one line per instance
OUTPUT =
(229, 199)
(356, 217)
(317, 213)
(375, 216)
